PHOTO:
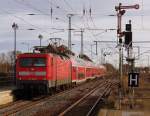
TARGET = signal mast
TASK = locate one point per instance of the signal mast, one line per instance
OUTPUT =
(120, 12)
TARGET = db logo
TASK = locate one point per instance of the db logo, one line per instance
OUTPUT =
(32, 69)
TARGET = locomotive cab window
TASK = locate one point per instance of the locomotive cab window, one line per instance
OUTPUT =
(39, 62)
(35, 62)
(25, 62)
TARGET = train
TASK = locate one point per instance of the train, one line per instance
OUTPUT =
(53, 67)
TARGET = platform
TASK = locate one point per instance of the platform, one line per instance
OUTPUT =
(106, 112)
(6, 95)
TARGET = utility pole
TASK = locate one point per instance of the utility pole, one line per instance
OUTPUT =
(102, 57)
(40, 37)
(69, 30)
(148, 63)
(15, 27)
(120, 12)
(82, 42)
(96, 46)
(92, 51)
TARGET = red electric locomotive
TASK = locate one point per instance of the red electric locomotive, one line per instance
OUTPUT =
(42, 71)
(52, 68)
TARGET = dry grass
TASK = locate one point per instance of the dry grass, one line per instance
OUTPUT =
(142, 93)
(141, 104)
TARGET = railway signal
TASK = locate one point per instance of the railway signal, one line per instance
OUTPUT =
(120, 12)
(128, 35)
(133, 79)
(128, 39)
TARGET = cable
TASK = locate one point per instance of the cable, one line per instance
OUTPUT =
(23, 20)
(69, 5)
(89, 31)
(29, 6)
(90, 11)
(94, 34)
(90, 14)
(59, 7)
(54, 5)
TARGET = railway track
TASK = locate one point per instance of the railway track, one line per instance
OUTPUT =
(87, 105)
(20, 106)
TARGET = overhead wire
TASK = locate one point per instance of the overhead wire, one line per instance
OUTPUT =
(105, 30)
(85, 20)
(61, 9)
(66, 2)
(108, 46)
(34, 8)
(26, 22)
(58, 6)
(54, 6)
(20, 18)
(94, 25)
(64, 21)
(27, 4)
(52, 3)
(90, 14)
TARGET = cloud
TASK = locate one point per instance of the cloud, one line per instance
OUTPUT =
(17, 10)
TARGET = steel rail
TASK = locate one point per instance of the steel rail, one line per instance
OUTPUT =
(98, 100)
(32, 103)
(81, 99)
(10, 104)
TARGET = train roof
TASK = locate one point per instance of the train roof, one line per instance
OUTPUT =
(77, 61)
(61, 50)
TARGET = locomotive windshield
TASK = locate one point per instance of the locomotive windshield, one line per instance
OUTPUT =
(34, 62)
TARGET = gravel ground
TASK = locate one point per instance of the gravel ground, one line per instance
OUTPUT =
(53, 106)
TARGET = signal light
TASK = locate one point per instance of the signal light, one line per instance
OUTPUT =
(128, 39)
(128, 27)
(120, 40)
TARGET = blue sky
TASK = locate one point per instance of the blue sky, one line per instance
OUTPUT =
(17, 10)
